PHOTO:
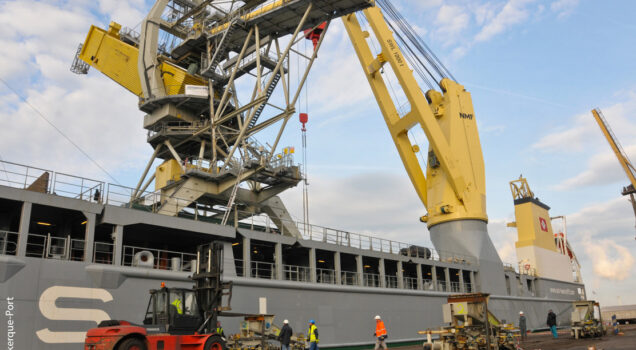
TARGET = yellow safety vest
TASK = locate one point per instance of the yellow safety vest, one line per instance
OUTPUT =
(177, 304)
(313, 338)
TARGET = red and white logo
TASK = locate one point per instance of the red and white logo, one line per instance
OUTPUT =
(544, 225)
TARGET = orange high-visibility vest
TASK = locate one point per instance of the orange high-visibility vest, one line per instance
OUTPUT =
(379, 328)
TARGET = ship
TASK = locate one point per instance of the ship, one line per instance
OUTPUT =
(69, 276)
(76, 251)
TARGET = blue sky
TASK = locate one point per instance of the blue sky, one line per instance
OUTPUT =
(535, 70)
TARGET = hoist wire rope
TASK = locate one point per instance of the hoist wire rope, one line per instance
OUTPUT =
(416, 40)
(305, 165)
(412, 57)
(416, 67)
(37, 111)
(402, 29)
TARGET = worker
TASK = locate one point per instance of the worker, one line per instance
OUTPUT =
(380, 333)
(285, 335)
(312, 335)
(219, 329)
(178, 305)
(552, 323)
(522, 326)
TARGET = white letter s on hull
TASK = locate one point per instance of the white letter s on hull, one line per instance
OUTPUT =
(52, 312)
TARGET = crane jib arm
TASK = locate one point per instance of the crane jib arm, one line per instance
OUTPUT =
(454, 185)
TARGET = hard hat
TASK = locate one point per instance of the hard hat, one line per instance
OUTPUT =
(377, 317)
(312, 321)
(285, 322)
(520, 312)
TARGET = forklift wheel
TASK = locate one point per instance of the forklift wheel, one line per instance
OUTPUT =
(215, 342)
(132, 344)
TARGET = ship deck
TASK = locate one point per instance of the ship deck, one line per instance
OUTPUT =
(62, 216)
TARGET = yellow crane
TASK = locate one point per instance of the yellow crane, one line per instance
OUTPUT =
(452, 186)
(624, 161)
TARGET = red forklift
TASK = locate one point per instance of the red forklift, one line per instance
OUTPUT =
(176, 318)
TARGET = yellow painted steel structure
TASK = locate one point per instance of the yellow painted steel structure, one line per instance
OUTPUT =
(169, 171)
(534, 227)
(253, 14)
(622, 157)
(105, 51)
(116, 59)
(454, 187)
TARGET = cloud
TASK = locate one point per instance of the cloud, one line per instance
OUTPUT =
(127, 13)
(327, 80)
(379, 203)
(31, 28)
(512, 13)
(564, 8)
(451, 21)
(93, 111)
(602, 168)
(612, 218)
(428, 4)
(484, 13)
(582, 133)
(611, 261)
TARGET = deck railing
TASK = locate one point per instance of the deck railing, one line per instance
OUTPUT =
(390, 281)
(522, 269)
(47, 181)
(441, 286)
(370, 280)
(349, 278)
(427, 284)
(410, 282)
(21, 176)
(160, 259)
(261, 269)
(8, 242)
(103, 253)
(325, 276)
(66, 248)
(355, 240)
(296, 273)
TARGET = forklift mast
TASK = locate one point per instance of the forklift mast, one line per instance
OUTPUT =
(208, 286)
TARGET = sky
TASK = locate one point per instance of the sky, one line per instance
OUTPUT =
(534, 68)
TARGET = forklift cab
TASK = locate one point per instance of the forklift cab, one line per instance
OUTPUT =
(173, 310)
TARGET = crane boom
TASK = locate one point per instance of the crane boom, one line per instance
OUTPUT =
(453, 190)
(618, 150)
(454, 185)
(620, 155)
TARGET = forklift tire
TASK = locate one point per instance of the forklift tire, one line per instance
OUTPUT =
(132, 344)
(215, 342)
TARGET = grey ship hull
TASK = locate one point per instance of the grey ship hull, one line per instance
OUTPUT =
(49, 300)
(56, 301)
